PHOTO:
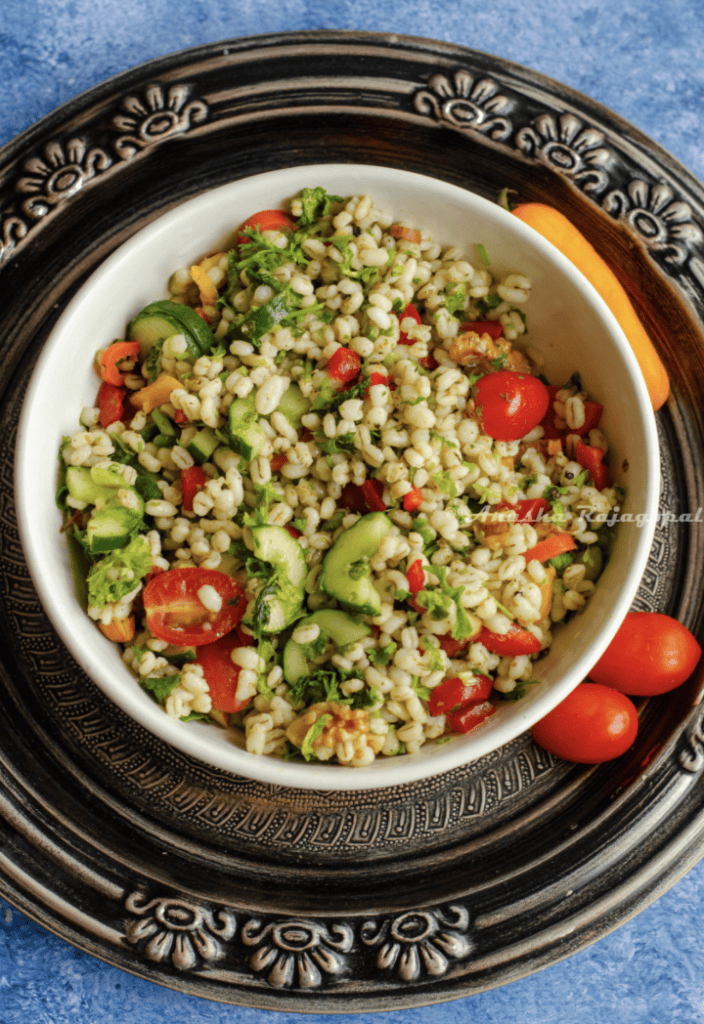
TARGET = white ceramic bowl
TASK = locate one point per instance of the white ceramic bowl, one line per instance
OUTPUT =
(568, 322)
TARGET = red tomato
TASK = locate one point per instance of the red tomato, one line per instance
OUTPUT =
(192, 480)
(453, 694)
(470, 717)
(651, 653)
(344, 365)
(491, 327)
(516, 641)
(221, 674)
(591, 459)
(111, 403)
(593, 724)
(176, 614)
(266, 220)
(411, 311)
(415, 575)
(510, 404)
(452, 647)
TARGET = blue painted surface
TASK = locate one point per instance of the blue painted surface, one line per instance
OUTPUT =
(642, 58)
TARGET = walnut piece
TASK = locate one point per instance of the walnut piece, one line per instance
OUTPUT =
(347, 733)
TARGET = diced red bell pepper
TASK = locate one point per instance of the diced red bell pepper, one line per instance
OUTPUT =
(530, 510)
(353, 499)
(454, 694)
(408, 234)
(372, 491)
(180, 417)
(193, 480)
(111, 403)
(516, 641)
(453, 647)
(415, 574)
(591, 459)
(344, 366)
(379, 378)
(278, 461)
(411, 311)
(470, 717)
(550, 547)
(491, 327)
(413, 499)
(592, 417)
(429, 362)
(113, 355)
(306, 435)
(293, 531)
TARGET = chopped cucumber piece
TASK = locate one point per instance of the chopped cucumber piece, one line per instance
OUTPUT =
(82, 486)
(282, 599)
(293, 405)
(112, 526)
(188, 321)
(247, 437)
(340, 627)
(203, 445)
(346, 573)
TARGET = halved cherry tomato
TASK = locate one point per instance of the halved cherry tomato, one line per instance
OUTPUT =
(372, 491)
(651, 653)
(413, 499)
(176, 614)
(453, 694)
(591, 459)
(550, 547)
(469, 718)
(266, 220)
(516, 641)
(221, 674)
(592, 724)
(411, 311)
(111, 404)
(193, 480)
(491, 327)
(113, 355)
(453, 647)
(344, 366)
(415, 574)
(510, 404)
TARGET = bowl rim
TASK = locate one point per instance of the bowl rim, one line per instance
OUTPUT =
(386, 772)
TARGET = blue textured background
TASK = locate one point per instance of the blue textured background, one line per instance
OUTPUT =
(642, 58)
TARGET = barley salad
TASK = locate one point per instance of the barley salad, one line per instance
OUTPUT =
(325, 499)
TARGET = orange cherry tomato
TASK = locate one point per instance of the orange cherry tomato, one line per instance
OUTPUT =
(266, 220)
(175, 612)
(650, 654)
(592, 724)
(510, 404)
(221, 674)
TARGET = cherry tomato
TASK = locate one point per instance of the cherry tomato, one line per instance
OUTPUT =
(593, 724)
(516, 641)
(193, 480)
(344, 365)
(111, 403)
(510, 404)
(221, 674)
(176, 614)
(266, 220)
(454, 695)
(470, 717)
(651, 653)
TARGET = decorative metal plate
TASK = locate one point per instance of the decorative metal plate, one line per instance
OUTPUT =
(283, 899)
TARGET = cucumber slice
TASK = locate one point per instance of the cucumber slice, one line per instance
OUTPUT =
(203, 445)
(293, 405)
(284, 596)
(188, 320)
(346, 573)
(340, 627)
(247, 437)
(148, 328)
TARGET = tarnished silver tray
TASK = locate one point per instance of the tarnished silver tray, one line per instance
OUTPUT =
(286, 899)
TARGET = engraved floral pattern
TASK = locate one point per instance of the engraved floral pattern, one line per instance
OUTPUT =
(420, 941)
(59, 174)
(155, 117)
(297, 952)
(663, 222)
(567, 146)
(177, 930)
(12, 230)
(466, 103)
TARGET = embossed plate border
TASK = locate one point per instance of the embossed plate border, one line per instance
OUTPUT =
(282, 899)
